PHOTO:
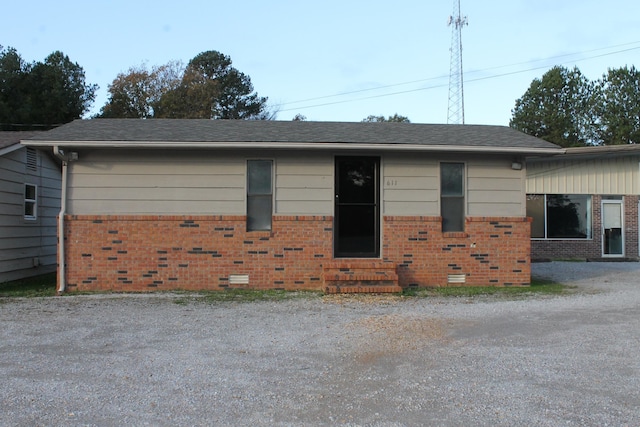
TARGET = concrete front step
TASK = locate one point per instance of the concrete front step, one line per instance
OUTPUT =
(360, 276)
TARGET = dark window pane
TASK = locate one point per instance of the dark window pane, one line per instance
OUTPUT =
(259, 194)
(259, 212)
(357, 230)
(568, 216)
(535, 210)
(30, 192)
(452, 211)
(357, 179)
(30, 209)
(259, 176)
(451, 179)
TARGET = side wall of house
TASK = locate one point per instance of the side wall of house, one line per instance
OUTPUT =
(146, 221)
(598, 177)
(28, 246)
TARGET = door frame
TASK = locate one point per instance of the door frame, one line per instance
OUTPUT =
(376, 204)
(602, 227)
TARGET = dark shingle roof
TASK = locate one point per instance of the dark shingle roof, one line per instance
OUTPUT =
(241, 131)
(9, 138)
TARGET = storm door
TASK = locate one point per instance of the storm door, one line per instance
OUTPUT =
(612, 236)
(357, 211)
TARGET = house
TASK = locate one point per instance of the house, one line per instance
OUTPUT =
(29, 203)
(339, 207)
(584, 203)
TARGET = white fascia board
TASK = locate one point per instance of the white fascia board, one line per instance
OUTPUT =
(297, 145)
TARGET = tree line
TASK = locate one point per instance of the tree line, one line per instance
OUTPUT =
(566, 108)
(562, 107)
(41, 95)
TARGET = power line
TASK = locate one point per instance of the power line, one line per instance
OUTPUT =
(442, 77)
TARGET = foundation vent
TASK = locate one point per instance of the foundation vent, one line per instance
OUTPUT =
(239, 279)
(456, 278)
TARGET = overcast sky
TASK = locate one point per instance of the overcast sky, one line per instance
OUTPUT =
(340, 60)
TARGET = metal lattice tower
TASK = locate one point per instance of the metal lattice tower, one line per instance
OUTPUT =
(455, 113)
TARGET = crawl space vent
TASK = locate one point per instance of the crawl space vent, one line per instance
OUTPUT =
(239, 279)
(456, 278)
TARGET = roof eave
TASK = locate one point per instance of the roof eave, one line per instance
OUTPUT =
(297, 145)
(10, 149)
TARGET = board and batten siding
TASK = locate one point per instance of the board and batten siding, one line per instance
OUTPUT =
(28, 247)
(608, 175)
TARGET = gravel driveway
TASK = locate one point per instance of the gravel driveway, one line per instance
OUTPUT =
(146, 360)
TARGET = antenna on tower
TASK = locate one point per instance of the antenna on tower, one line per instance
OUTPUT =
(455, 113)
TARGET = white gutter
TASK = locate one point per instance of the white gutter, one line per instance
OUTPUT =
(303, 145)
(63, 209)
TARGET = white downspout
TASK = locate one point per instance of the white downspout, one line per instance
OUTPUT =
(63, 209)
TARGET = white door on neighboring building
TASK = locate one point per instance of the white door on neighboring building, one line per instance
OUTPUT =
(612, 230)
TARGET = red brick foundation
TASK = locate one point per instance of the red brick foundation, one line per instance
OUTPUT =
(492, 251)
(142, 253)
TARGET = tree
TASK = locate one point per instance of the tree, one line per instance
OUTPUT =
(59, 91)
(137, 93)
(618, 106)
(42, 94)
(14, 102)
(379, 119)
(211, 88)
(558, 108)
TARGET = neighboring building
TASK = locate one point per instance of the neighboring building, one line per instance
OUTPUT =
(29, 203)
(584, 203)
(216, 204)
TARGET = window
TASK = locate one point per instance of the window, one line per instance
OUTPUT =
(452, 196)
(560, 216)
(30, 201)
(259, 195)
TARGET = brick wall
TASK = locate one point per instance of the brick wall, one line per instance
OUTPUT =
(491, 251)
(141, 253)
(591, 248)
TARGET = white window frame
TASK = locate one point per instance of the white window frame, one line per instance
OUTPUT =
(31, 202)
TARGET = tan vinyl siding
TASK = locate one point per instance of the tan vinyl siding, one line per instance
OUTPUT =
(159, 183)
(25, 242)
(304, 184)
(410, 185)
(494, 188)
(613, 175)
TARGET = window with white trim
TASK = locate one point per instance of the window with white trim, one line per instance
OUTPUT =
(30, 201)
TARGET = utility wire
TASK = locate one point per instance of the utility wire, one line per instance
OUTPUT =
(546, 65)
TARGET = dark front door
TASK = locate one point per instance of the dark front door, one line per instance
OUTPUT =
(357, 211)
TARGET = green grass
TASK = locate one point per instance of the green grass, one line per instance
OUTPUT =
(537, 287)
(246, 295)
(45, 286)
(39, 286)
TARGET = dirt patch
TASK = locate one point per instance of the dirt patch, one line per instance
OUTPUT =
(394, 335)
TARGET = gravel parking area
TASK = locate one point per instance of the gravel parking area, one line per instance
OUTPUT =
(139, 360)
